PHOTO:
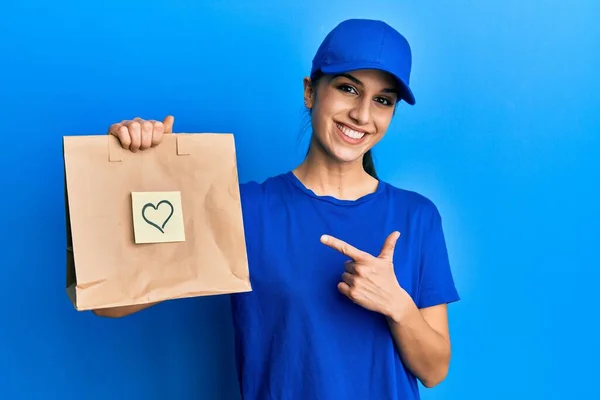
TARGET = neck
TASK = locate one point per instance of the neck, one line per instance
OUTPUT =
(327, 177)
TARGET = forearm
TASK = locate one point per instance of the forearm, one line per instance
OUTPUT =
(423, 350)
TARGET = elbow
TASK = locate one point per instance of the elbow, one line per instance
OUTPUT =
(434, 380)
(437, 375)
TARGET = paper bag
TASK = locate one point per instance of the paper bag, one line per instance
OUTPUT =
(162, 223)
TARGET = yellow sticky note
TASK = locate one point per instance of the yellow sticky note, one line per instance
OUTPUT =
(157, 217)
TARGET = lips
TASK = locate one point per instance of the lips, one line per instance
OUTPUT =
(350, 135)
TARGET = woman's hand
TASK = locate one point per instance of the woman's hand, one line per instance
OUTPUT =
(140, 134)
(370, 281)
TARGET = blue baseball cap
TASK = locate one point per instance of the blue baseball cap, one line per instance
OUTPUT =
(366, 44)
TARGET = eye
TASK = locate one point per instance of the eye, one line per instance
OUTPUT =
(347, 88)
(384, 101)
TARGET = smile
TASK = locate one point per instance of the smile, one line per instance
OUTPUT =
(350, 133)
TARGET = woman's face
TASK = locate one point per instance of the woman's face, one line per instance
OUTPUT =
(351, 112)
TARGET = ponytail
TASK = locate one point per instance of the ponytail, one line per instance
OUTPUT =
(368, 164)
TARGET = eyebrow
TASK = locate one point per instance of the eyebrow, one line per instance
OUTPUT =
(358, 82)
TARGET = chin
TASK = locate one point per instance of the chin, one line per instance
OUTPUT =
(346, 157)
(344, 154)
(348, 149)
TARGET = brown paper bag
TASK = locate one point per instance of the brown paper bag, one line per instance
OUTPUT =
(159, 224)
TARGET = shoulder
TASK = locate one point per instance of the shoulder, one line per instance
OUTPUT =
(258, 196)
(416, 204)
(416, 213)
(255, 190)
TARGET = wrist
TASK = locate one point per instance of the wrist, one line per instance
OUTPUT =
(399, 307)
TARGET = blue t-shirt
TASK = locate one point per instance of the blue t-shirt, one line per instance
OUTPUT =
(297, 336)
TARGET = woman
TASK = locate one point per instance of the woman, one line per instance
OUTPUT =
(350, 275)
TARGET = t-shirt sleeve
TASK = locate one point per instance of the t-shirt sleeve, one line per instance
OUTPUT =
(436, 285)
(252, 202)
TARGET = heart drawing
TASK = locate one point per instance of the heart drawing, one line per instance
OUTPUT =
(160, 227)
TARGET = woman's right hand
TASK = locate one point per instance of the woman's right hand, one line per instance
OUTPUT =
(139, 134)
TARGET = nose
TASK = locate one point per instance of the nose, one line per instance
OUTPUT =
(361, 111)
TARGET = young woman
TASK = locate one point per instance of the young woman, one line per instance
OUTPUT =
(350, 275)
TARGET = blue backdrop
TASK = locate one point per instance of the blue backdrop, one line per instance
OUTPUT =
(504, 138)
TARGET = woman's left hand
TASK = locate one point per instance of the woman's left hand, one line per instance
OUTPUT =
(370, 281)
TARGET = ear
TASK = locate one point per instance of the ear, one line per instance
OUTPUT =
(308, 93)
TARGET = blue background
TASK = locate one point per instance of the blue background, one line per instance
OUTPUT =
(504, 138)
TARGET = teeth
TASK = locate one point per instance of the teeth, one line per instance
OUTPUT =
(350, 132)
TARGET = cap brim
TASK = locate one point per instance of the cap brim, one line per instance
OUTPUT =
(405, 94)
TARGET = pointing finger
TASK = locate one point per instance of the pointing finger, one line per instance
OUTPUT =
(344, 248)
(387, 251)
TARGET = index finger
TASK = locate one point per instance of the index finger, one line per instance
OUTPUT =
(344, 248)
